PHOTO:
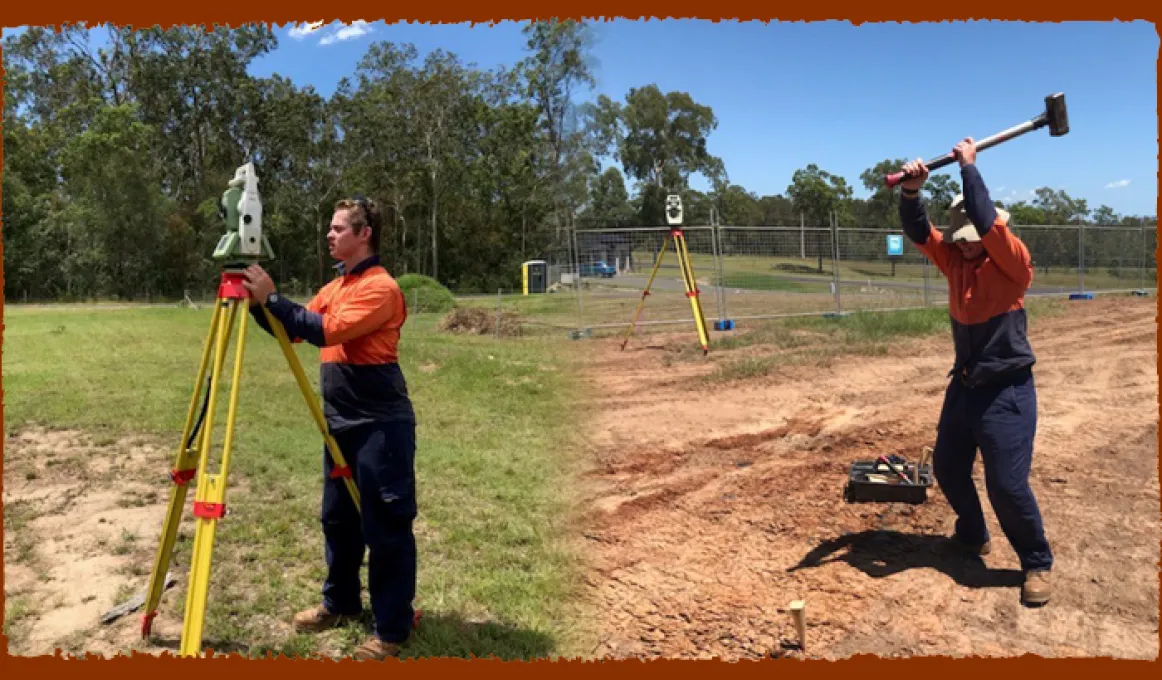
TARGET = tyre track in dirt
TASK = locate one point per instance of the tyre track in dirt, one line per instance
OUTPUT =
(711, 507)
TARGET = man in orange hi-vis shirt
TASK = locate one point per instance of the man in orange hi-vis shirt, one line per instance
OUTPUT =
(991, 401)
(355, 320)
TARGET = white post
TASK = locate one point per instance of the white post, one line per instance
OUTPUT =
(802, 236)
(1080, 256)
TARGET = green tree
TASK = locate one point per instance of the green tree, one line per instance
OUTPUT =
(609, 204)
(660, 141)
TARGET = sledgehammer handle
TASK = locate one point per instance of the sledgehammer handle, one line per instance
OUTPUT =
(948, 158)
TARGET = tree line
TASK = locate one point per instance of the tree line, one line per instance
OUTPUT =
(115, 160)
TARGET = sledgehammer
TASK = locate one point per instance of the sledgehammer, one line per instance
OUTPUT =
(1054, 116)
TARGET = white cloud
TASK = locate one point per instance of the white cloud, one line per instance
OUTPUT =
(1015, 195)
(1118, 184)
(358, 29)
(300, 31)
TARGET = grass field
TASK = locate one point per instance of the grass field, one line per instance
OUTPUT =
(493, 465)
(498, 463)
(811, 339)
(612, 303)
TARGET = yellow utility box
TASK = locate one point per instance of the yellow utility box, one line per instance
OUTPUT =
(534, 276)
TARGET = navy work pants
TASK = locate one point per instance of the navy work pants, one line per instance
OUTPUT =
(382, 462)
(1000, 420)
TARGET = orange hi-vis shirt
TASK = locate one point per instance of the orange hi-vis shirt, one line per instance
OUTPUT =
(986, 296)
(984, 288)
(355, 320)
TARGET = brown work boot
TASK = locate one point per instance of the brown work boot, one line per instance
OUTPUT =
(375, 649)
(318, 618)
(954, 547)
(1036, 590)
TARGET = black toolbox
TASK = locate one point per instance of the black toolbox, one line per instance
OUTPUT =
(860, 489)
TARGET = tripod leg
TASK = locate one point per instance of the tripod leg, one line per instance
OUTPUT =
(210, 498)
(341, 469)
(642, 302)
(692, 290)
(182, 473)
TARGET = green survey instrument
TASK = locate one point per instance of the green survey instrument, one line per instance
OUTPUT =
(241, 208)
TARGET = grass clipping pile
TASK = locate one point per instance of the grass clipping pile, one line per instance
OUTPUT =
(479, 321)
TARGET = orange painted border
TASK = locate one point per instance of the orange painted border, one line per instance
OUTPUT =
(142, 13)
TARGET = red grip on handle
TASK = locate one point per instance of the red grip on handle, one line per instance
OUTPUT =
(894, 179)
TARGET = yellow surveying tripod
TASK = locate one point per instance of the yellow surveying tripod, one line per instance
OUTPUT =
(243, 240)
(674, 218)
(193, 457)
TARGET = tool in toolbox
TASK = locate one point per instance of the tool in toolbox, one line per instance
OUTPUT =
(889, 479)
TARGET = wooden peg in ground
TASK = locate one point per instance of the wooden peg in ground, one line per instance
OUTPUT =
(799, 615)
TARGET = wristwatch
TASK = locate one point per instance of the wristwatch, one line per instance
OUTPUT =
(272, 298)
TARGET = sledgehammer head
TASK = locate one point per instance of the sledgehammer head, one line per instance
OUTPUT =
(1055, 114)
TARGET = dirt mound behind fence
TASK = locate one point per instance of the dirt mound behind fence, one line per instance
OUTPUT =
(477, 321)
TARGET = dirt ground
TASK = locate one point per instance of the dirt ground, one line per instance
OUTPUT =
(712, 507)
(81, 524)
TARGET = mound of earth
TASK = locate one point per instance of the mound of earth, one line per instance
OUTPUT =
(478, 321)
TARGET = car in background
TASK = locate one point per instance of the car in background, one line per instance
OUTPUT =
(598, 268)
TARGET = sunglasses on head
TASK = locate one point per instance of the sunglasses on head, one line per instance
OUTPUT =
(362, 201)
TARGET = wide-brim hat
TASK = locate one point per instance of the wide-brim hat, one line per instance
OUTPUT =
(960, 228)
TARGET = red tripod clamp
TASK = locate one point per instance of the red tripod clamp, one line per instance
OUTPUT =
(231, 287)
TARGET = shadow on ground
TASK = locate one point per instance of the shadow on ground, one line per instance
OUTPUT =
(438, 635)
(449, 635)
(171, 646)
(885, 553)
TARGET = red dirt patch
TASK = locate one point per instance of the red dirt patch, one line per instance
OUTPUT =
(712, 508)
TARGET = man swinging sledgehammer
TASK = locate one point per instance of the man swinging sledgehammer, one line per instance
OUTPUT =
(991, 402)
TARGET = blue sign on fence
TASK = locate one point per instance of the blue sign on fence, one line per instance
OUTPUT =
(895, 244)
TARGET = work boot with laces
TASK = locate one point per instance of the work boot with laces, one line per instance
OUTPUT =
(375, 649)
(1037, 589)
(318, 618)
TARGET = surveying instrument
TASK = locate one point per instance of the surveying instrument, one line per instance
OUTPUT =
(243, 244)
(674, 219)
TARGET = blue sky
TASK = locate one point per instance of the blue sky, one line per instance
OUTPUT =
(845, 97)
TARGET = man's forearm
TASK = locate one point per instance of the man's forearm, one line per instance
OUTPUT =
(977, 204)
(914, 218)
(298, 321)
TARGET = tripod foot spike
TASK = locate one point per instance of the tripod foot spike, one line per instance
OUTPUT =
(147, 624)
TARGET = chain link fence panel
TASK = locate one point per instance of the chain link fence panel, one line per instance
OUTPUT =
(745, 272)
(614, 269)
